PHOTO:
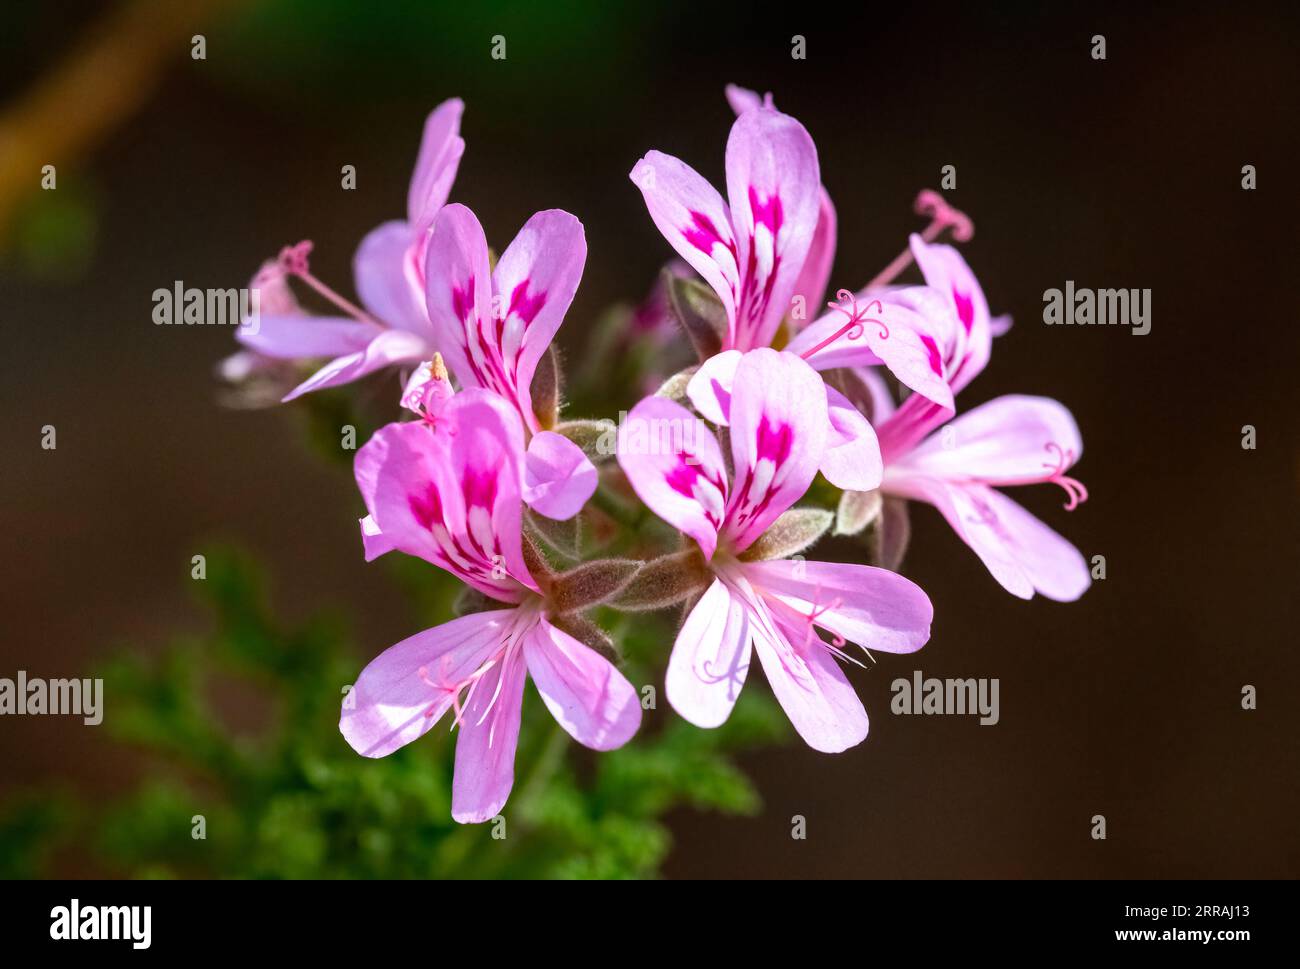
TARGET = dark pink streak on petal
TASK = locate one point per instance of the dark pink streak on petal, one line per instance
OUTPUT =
(936, 362)
(480, 488)
(524, 306)
(682, 480)
(427, 509)
(774, 443)
(769, 213)
(703, 235)
(722, 394)
(965, 308)
(461, 300)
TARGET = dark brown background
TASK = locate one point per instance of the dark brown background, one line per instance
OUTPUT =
(1122, 173)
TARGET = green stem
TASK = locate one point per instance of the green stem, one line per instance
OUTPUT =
(615, 508)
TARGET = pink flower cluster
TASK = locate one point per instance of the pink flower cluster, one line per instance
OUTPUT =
(789, 397)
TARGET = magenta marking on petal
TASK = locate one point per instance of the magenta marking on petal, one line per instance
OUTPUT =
(703, 235)
(722, 394)
(685, 476)
(524, 306)
(461, 301)
(682, 478)
(427, 509)
(774, 444)
(936, 362)
(965, 308)
(480, 488)
(769, 213)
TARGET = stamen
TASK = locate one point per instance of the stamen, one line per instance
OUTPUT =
(1074, 488)
(293, 260)
(933, 206)
(836, 646)
(853, 329)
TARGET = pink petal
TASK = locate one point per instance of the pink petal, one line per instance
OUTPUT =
(392, 704)
(485, 750)
(387, 280)
(300, 336)
(458, 298)
(709, 389)
(1009, 440)
(779, 427)
(874, 608)
(533, 285)
(558, 477)
(693, 218)
(809, 685)
(435, 168)
(892, 333)
(742, 99)
(453, 498)
(373, 541)
(774, 187)
(387, 349)
(675, 466)
(710, 658)
(1021, 552)
(486, 452)
(852, 459)
(881, 404)
(815, 277)
(588, 697)
(947, 272)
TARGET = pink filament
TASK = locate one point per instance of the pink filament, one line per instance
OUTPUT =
(853, 328)
(294, 261)
(1074, 488)
(942, 216)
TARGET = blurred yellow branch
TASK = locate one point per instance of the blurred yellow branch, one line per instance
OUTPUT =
(110, 73)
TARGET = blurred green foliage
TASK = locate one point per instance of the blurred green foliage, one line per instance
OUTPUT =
(292, 800)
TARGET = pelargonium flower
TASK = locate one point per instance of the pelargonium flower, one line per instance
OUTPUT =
(455, 500)
(815, 276)
(777, 236)
(752, 253)
(494, 327)
(391, 326)
(1012, 440)
(778, 432)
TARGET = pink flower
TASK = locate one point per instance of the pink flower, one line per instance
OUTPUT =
(392, 328)
(779, 249)
(1011, 440)
(454, 499)
(815, 276)
(558, 475)
(779, 431)
(494, 326)
(752, 253)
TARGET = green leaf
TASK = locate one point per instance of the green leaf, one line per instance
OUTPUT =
(857, 510)
(664, 581)
(790, 534)
(590, 584)
(699, 311)
(597, 438)
(545, 388)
